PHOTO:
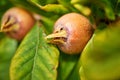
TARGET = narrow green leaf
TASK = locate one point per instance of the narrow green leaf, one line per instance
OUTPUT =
(101, 57)
(40, 2)
(7, 49)
(44, 2)
(75, 72)
(35, 59)
(67, 4)
(29, 5)
(55, 8)
(79, 1)
(83, 9)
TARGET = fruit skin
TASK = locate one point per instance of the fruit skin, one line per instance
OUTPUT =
(78, 29)
(23, 21)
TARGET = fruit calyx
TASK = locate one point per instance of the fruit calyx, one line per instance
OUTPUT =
(9, 24)
(58, 37)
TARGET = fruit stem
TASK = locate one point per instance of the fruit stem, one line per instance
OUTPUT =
(57, 38)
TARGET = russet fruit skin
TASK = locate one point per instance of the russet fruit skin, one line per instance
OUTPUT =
(16, 22)
(78, 32)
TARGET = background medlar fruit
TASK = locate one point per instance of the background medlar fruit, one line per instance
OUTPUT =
(16, 22)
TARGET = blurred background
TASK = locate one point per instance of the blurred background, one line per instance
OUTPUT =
(100, 60)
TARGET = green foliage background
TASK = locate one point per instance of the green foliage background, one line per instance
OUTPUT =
(34, 59)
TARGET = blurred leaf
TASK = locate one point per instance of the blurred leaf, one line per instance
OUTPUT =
(44, 2)
(117, 8)
(109, 13)
(55, 8)
(4, 5)
(66, 65)
(79, 1)
(101, 57)
(2, 35)
(83, 9)
(29, 5)
(4, 70)
(101, 26)
(48, 24)
(7, 49)
(75, 72)
(67, 4)
(106, 6)
(35, 59)
(97, 12)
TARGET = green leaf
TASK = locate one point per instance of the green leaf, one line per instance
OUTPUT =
(79, 1)
(35, 59)
(67, 4)
(4, 5)
(44, 2)
(55, 8)
(97, 12)
(75, 72)
(117, 8)
(29, 5)
(2, 35)
(48, 24)
(67, 65)
(106, 5)
(4, 70)
(7, 49)
(83, 9)
(101, 57)
(109, 13)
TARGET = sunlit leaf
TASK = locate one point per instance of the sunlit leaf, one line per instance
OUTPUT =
(27, 4)
(67, 4)
(55, 8)
(79, 1)
(83, 9)
(101, 57)
(44, 2)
